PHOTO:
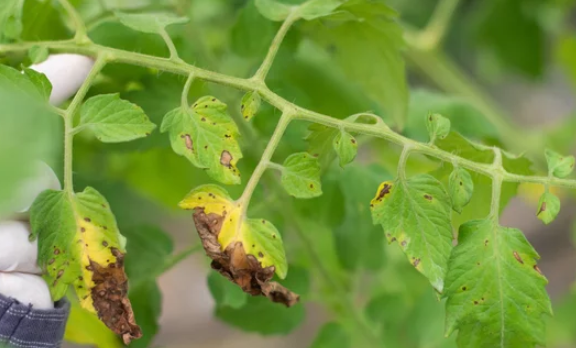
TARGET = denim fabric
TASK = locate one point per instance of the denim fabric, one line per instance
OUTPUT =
(22, 326)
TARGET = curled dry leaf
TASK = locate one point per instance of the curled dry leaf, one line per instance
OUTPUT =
(246, 251)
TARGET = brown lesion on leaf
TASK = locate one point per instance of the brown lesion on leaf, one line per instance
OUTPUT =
(383, 192)
(226, 159)
(188, 141)
(237, 266)
(542, 208)
(415, 261)
(537, 269)
(428, 197)
(518, 258)
(110, 298)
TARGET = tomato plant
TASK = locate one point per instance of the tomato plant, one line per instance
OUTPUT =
(390, 219)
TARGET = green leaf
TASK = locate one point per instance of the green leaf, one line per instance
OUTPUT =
(114, 120)
(438, 126)
(252, 33)
(496, 293)
(416, 214)
(265, 317)
(225, 293)
(558, 165)
(548, 207)
(360, 35)
(207, 136)
(346, 147)
(42, 21)
(250, 105)
(146, 300)
(79, 244)
(38, 54)
(461, 188)
(313, 9)
(10, 19)
(358, 242)
(301, 176)
(28, 84)
(273, 10)
(41, 82)
(151, 23)
(331, 335)
(320, 140)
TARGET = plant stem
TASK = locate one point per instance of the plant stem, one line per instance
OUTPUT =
(275, 46)
(496, 186)
(265, 159)
(436, 29)
(69, 130)
(186, 91)
(182, 68)
(168, 40)
(402, 162)
(79, 26)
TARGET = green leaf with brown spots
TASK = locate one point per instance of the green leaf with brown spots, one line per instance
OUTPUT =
(496, 295)
(113, 120)
(548, 207)
(207, 136)
(301, 175)
(346, 147)
(438, 126)
(461, 187)
(415, 213)
(250, 104)
(79, 244)
(558, 165)
(246, 251)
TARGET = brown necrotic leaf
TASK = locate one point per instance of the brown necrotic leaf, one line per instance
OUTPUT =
(246, 251)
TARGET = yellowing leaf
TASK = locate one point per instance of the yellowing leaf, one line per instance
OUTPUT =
(250, 105)
(80, 245)
(206, 135)
(83, 327)
(246, 251)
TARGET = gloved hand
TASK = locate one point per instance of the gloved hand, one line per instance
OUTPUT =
(19, 274)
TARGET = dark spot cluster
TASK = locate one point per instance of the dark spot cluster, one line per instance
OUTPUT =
(428, 197)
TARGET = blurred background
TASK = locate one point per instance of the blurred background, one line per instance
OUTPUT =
(503, 71)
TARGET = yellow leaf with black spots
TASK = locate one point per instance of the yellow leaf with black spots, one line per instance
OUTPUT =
(246, 251)
(80, 244)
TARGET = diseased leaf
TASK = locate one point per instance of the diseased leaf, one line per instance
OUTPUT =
(346, 147)
(114, 120)
(225, 293)
(274, 10)
(250, 105)
(461, 188)
(416, 214)
(331, 335)
(207, 136)
(80, 245)
(301, 175)
(151, 23)
(548, 207)
(438, 126)
(246, 251)
(558, 165)
(83, 327)
(38, 54)
(360, 35)
(496, 293)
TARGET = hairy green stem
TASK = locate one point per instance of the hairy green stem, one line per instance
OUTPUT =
(402, 162)
(186, 91)
(69, 130)
(275, 46)
(434, 32)
(170, 44)
(497, 179)
(182, 68)
(265, 159)
(79, 25)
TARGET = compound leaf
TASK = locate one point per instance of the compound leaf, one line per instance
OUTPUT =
(416, 214)
(114, 120)
(548, 207)
(496, 293)
(558, 165)
(206, 135)
(80, 245)
(246, 251)
(461, 187)
(151, 23)
(301, 175)
(346, 147)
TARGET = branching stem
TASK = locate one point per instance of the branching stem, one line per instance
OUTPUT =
(79, 26)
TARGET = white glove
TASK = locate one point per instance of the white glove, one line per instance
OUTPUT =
(19, 274)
